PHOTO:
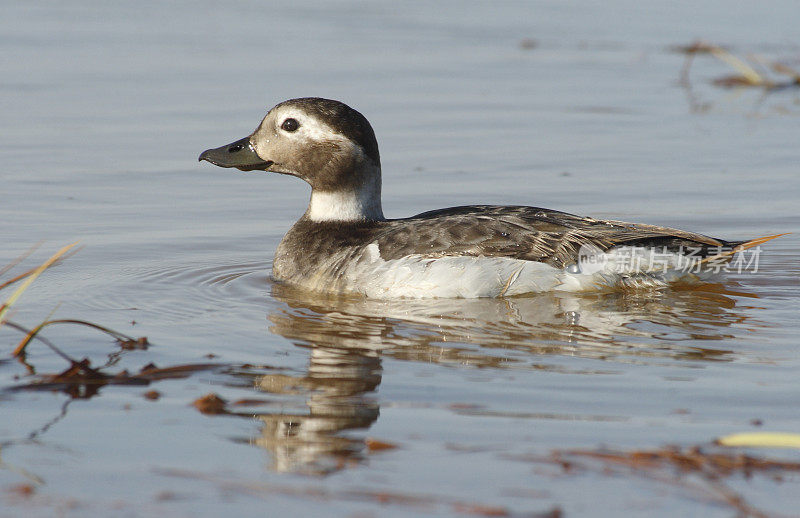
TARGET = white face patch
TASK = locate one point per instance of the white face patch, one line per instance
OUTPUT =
(309, 127)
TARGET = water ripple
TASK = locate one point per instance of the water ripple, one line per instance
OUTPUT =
(207, 286)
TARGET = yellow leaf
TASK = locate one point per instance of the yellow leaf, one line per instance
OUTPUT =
(761, 440)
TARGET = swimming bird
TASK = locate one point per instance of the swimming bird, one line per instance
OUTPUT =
(344, 244)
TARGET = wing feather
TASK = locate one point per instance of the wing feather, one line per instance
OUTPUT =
(518, 232)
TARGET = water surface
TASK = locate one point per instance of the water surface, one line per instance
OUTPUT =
(577, 107)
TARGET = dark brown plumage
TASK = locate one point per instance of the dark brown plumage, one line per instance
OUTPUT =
(528, 233)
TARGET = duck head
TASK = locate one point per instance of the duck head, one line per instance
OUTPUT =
(324, 142)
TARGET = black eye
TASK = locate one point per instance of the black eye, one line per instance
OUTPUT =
(290, 125)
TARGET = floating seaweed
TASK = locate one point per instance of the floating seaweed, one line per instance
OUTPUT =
(753, 72)
(700, 471)
(746, 76)
(81, 379)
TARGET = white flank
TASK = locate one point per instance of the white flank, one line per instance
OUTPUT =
(416, 276)
(628, 267)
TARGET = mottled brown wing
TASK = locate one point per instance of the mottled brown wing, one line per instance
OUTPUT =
(528, 233)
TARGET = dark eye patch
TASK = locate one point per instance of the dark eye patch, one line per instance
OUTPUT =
(290, 125)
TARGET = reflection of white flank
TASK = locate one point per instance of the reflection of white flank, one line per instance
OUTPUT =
(468, 330)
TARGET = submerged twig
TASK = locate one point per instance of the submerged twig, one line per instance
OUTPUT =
(20, 349)
(25, 330)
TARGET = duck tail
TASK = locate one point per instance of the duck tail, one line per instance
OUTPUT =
(740, 246)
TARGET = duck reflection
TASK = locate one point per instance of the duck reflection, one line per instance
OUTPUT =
(348, 337)
(337, 387)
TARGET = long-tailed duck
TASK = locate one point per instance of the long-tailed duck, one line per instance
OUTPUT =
(344, 244)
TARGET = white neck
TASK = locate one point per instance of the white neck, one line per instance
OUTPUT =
(363, 204)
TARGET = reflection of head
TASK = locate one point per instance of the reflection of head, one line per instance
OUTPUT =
(336, 389)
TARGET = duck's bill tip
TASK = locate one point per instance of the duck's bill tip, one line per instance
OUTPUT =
(239, 154)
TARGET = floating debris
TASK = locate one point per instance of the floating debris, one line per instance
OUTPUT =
(374, 445)
(152, 395)
(761, 440)
(211, 404)
(695, 469)
(138, 344)
(746, 76)
(82, 381)
(22, 490)
(696, 47)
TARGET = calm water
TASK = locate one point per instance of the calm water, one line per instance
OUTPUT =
(105, 108)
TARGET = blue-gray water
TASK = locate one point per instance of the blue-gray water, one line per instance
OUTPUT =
(105, 107)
